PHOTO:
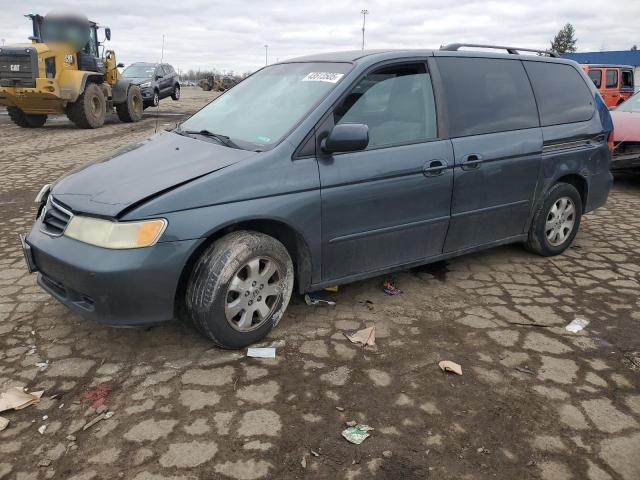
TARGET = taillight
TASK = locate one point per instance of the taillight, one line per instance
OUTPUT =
(610, 141)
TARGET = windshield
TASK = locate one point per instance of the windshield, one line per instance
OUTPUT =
(139, 71)
(261, 110)
(631, 105)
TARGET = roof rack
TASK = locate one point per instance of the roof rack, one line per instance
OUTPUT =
(453, 47)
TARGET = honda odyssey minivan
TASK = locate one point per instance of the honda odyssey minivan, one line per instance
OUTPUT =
(324, 170)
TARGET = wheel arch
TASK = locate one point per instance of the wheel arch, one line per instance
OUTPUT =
(580, 184)
(292, 240)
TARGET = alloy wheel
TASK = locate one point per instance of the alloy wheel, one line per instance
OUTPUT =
(560, 221)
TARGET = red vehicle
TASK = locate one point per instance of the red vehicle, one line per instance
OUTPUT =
(626, 136)
(614, 82)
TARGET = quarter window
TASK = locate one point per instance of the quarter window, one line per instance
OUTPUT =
(485, 95)
(612, 78)
(596, 77)
(627, 79)
(395, 103)
(562, 93)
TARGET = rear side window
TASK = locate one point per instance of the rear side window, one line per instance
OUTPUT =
(627, 79)
(561, 92)
(596, 77)
(486, 95)
(612, 78)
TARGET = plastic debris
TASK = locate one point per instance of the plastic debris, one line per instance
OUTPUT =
(576, 325)
(314, 299)
(266, 352)
(3, 423)
(449, 366)
(366, 336)
(98, 395)
(43, 365)
(525, 370)
(91, 423)
(314, 453)
(42, 429)
(357, 434)
(340, 409)
(303, 462)
(389, 287)
(16, 399)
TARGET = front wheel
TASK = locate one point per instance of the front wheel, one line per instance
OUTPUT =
(176, 93)
(239, 288)
(131, 109)
(26, 120)
(556, 223)
(90, 109)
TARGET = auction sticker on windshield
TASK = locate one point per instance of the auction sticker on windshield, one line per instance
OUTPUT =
(330, 77)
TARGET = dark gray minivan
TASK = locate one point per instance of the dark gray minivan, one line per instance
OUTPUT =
(323, 170)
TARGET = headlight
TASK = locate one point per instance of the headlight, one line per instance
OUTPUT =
(119, 235)
(145, 84)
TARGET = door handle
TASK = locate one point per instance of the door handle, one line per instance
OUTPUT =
(471, 161)
(434, 168)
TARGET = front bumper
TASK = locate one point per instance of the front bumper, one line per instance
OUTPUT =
(625, 162)
(112, 287)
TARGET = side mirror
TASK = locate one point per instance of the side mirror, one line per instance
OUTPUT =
(347, 137)
(120, 65)
(158, 76)
(107, 33)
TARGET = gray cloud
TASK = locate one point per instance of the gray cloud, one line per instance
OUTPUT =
(230, 35)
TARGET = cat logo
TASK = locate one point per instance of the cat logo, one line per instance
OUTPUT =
(68, 59)
(15, 68)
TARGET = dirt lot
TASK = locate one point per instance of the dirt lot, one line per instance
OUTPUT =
(534, 402)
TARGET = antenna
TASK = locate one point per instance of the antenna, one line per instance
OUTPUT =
(158, 106)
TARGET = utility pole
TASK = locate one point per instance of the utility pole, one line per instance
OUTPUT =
(364, 20)
(162, 54)
(266, 50)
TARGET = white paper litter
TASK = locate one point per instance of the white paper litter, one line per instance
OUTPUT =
(267, 352)
(366, 336)
(576, 325)
(449, 366)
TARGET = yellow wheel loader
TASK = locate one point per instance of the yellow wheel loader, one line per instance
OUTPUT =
(63, 71)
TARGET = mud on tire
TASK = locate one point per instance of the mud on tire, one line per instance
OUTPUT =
(208, 289)
(131, 109)
(90, 109)
(26, 120)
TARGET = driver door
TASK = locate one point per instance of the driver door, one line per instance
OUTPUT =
(388, 205)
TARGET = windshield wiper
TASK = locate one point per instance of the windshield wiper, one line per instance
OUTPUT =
(223, 139)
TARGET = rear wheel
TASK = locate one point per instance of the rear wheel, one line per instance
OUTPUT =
(239, 288)
(176, 93)
(556, 222)
(131, 109)
(26, 120)
(90, 109)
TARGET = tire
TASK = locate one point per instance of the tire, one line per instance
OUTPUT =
(550, 233)
(26, 120)
(176, 93)
(155, 101)
(90, 109)
(131, 109)
(216, 288)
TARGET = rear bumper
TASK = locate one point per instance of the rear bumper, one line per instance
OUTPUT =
(625, 162)
(111, 287)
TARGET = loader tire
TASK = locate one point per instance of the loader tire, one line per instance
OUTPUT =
(90, 109)
(131, 109)
(26, 120)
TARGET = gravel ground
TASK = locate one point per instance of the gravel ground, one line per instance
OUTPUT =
(534, 401)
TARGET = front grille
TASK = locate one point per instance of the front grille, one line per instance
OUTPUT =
(18, 67)
(55, 219)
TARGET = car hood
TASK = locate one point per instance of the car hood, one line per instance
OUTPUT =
(626, 126)
(138, 80)
(141, 171)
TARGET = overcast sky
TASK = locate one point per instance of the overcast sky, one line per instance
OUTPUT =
(231, 34)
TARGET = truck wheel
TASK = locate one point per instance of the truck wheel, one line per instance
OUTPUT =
(90, 109)
(131, 109)
(26, 120)
(556, 222)
(176, 93)
(240, 288)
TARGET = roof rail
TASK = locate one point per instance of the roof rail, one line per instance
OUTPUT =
(453, 47)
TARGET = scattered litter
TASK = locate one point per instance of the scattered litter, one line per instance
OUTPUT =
(3, 423)
(314, 299)
(42, 429)
(576, 325)
(357, 434)
(91, 423)
(16, 399)
(483, 450)
(314, 453)
(340, 409)
(45, 417)
(43, 365)
(45, 462)
(61, 406)
(525, 370)
(351, 423)
(303, 462)
(387, 454)
(366, 336)
(267, 352)
(98, 395)
(389, 287)
(449, 366)
(108, 415)
(71, 438)
(32, 350)
(333, 289)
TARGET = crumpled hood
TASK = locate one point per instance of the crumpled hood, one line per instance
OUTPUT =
(139, 80)
(626, 126)
(140, 171)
